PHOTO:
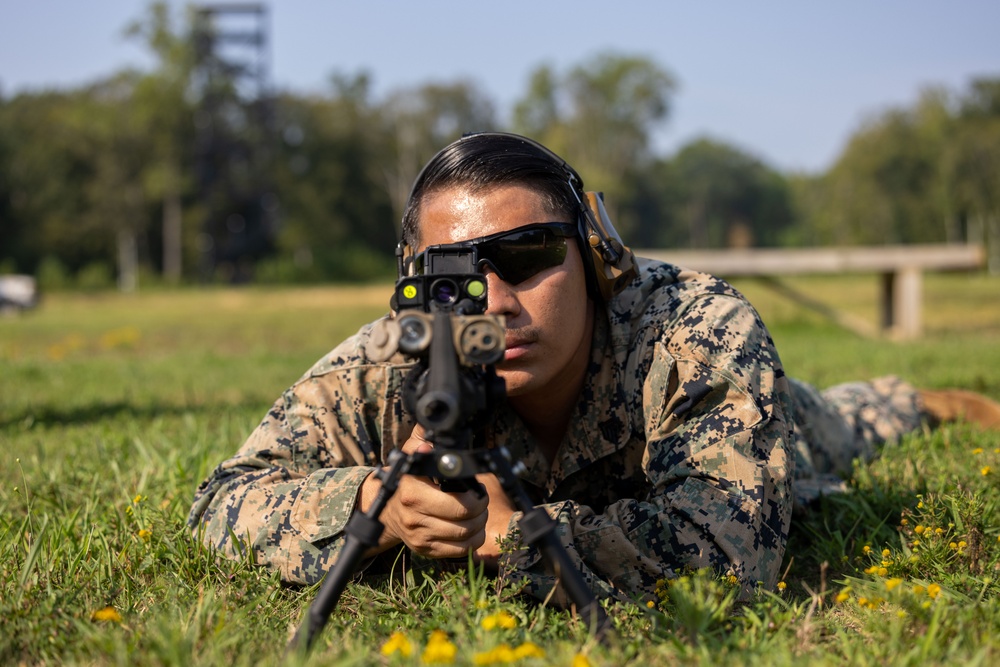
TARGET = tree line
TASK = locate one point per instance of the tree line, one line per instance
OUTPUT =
(108, 181)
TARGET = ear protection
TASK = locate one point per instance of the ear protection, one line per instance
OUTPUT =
(608, 263)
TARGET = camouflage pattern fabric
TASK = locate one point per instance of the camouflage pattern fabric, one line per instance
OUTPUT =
(681, 453)
(849, 421)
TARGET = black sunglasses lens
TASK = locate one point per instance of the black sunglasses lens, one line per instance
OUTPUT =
(518, 256)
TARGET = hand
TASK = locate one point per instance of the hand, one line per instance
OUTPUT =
(500, 511)
(429, 521)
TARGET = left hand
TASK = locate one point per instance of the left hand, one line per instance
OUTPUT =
(500, 510)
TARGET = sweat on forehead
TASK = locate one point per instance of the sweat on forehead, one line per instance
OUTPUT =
(472, 212)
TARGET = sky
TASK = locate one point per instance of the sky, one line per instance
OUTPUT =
(788, 82)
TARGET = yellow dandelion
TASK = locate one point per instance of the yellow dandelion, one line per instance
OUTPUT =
(920, 505)
(952, 545)
(985, 471)
(892, 583)
(843, 596)
(499, 620)
(732, 580)
(137, 499)
(933, 590)
(940, 531)
(782, 585)
(123, 337)
(439, 649)
(997, 450)
(918, 590)
(397, 643)
(918, 529)
(901, 614)
(882, 572)
(145, 534)
(580, 660)
(885, 553)
(499, 654)
(915, 543)
(863, 602)
(866, 549)
(871, 570)
(962, 544)
(904, 521)
(977, 450)
(528, 650)
(106, 615)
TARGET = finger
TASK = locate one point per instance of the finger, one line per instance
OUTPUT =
(417, 442)
(444, 539)
(421, 495)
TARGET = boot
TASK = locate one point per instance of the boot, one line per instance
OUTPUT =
(945, 405)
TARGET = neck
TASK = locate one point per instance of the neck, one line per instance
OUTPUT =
(547, 411)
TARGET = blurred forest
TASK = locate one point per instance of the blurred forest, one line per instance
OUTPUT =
(110, 182)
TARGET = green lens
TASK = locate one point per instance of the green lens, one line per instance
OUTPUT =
(475, 288)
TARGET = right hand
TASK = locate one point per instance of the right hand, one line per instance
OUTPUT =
(429, 521)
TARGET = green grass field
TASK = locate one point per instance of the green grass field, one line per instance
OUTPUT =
(113, 408)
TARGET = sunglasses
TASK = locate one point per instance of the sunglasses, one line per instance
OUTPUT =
(516, 255)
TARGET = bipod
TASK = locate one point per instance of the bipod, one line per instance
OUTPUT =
(451, 466)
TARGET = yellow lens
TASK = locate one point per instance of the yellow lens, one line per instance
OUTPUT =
(475, 288)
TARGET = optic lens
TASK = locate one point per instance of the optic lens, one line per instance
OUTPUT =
(475, 288)
(414, 334)
(444, 291)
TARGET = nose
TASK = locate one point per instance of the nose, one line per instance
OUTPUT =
(501, 297)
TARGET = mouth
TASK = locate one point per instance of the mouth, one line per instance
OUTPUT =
(516, 347)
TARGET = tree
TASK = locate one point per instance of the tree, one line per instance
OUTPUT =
(972, 166)
(162, 104)
(602, 114)
(715, 195)
(420, 120)
(336, 212)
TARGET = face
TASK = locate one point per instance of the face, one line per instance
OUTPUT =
(549, 317)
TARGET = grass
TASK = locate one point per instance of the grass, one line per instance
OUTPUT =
(113, 408)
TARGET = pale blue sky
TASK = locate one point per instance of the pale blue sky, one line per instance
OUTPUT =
(787, 81)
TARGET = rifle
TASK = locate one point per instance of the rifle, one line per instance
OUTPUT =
(440, 322)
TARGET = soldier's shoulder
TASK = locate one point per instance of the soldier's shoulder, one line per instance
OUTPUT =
(352, 354)
(662, 292)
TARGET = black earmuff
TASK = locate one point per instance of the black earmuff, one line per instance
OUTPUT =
(609, 263)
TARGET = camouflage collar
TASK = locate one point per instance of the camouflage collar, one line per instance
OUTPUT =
(599, 428)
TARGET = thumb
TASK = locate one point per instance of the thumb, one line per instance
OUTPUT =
(417, 443)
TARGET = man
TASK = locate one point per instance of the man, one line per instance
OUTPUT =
(648, 404)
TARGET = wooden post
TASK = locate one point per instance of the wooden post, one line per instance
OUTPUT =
(907, 302)
(886, 302)
(899, 268)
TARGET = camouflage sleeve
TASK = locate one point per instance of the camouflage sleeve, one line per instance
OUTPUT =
(288, 492)
(717, 462)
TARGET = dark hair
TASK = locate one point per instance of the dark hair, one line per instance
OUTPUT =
(484, 161)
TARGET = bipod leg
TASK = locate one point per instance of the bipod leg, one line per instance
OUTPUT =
(539, 530)
(363, 531)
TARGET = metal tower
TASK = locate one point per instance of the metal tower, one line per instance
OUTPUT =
(234, 122)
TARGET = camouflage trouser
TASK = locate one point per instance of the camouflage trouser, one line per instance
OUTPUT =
(846, 422)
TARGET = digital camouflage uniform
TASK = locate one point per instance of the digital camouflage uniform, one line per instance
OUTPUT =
(681, 452)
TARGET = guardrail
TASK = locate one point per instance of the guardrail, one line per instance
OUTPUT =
(900, 268)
